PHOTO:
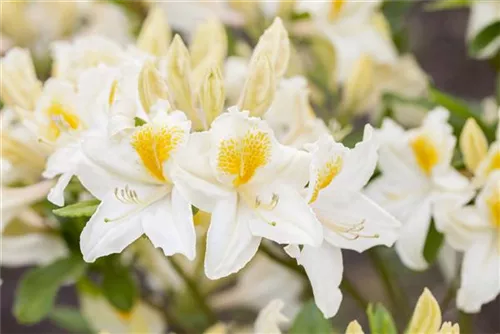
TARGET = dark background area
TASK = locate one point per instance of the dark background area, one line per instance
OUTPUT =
(438, 41)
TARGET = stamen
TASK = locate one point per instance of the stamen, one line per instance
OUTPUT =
(350, 231)
(129, 196)
(268, 206)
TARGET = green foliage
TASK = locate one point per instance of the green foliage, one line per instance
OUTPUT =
(37, 290)
(432, 243)
(139, 121)
(70, 319)
(380, 320)
(484, 39)
(81, 209)
(119, 286)
(310, 320)
(446, 5)
(395, 13)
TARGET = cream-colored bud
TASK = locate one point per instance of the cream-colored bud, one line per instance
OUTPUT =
(152, 87)
(473, 144)
(212, 95)
(178, 71)
(426, 317)
(18, 83)
(209, 40)
(260, 86)
(354, 328)
(274, 42)
(155, 33)
(359, 85)
(448, 328)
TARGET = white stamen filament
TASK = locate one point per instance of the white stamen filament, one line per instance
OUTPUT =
(257, 204)
(349, 231)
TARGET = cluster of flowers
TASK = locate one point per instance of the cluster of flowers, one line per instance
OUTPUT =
(163, 140)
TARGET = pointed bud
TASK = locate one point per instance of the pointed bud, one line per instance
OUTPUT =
(473, 144)
(359, 85)
(151, 86)
(212, 95)
(209, 40)
(260, 86)
(178, 69)
(426, 317)
(18, 83)
(155, 33)
(354, 328)
(275, 42)
(448, 328)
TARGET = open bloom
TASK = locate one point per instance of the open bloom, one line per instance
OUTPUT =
(250, 183)
(350, 219)
(130, 174)
(475, 230)
(416, 172)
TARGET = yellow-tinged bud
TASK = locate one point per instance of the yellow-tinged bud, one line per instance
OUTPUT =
(275, 43)
(260, 86)
(152, 87)
(18, 83)
(448, 328)
(426, 317)
(209, 40)
(155, 33)
(178, 69)
(473, 144)
(359, 85)
(212, 95)
(354, 328)
(218, 328)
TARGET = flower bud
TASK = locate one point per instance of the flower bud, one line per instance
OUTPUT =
(448, 328)
(260, 86)
(212, 95)
(354, 328)
(155, 33)
(274, 42)
(151, 86)
(359, 85)
(209, 41)
(427, 315)
(473, 144)
(18, 83)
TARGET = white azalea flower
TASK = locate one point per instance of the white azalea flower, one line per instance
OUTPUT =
(250, 183)
(130, 174)
(475, 230)
(354, 28)
(416, 172)
(350, 219)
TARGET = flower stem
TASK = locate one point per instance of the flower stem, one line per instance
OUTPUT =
(195, 292)
(465, 321)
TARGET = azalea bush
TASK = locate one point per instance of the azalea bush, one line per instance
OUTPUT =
(199, 167)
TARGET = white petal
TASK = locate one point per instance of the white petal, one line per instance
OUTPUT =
(324, 267)
(291, 221)
(169, 225)
(31, 249)
(230, 243)
(410, 245)
(480, 275)
(451, 180)
(270, 318)
(56, 194)
(97, 180)
(349, 209)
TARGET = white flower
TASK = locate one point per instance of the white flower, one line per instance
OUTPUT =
(354, 28)
(270, 317)
(32, 249)
(416, 172)
(350, 220)
(491, 162)
(475, 230)
(483, 14)
(250, 183)
(130, 174)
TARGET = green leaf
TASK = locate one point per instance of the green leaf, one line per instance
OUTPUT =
(81, 209)
(446, 5)
(119, 288)
(432, 243)
(485, 37)
(310, 320)
(70, 319)
(380, 320)
(139, 121)
(37, 290)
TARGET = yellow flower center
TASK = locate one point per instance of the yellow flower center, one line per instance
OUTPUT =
(61, 119)
(326, 175)
(493, 203)
(154, 146)
(494, 162)
(242, 157)
(335, 8)
(425, 152)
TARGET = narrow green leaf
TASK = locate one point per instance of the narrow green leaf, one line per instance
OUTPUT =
(70, 319)
(446, 5)
(139, 121)
(310, 320)
(119, 288)
(432, 243)
(484, 39)
(81, 209)
(380, 320)
(37, 290)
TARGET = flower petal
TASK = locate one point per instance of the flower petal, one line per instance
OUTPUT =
(31, 249)
(56, 194)
(230, 243)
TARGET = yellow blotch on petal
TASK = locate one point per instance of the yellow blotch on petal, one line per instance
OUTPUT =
(124, 316)
(425, 152)
(335, 9)
(112, 92)
(242, 157)
(426, 316)
(493, 203)
(61, 119)
(326, 175)
(155, 146)
(354, 328)
(494, 162)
